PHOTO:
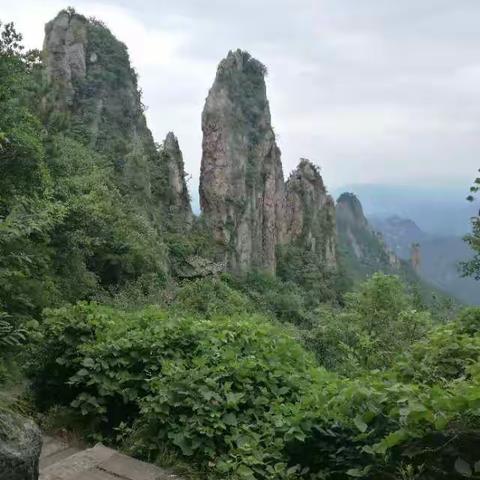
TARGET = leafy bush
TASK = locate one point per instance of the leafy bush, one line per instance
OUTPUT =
(307, 269)
(448, 353)
(232, 401)
(359, 336)
(209, 297)
(219, 390)
(11, 338)
(241, 398)
(375, 427)
(283, 300)
(420, 417)
(472, 267)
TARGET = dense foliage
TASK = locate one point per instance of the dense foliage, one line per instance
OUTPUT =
(240, 397)
(378, 322)
(66, 231)
(218, 390)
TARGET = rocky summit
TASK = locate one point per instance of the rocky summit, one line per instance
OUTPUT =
(243, 195)
(364, 250)
(93, 94)
(310, 212)
(65, 50)
(241, 182)
(170, 184)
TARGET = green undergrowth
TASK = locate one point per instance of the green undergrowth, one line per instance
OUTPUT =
(238, 396)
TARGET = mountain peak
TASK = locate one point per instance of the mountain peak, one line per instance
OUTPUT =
(241, 180)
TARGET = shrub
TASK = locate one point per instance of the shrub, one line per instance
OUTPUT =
(421, 416)
(448, 352)
(375, 427)
(220, 390)
(209, 297)
(241, 399)
(377, 323)
(11, 338)
(285, 301)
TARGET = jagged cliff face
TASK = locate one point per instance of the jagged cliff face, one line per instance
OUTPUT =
(93, 95)
(65, 55)
(310, 213)
(241, 183)
(171, 185)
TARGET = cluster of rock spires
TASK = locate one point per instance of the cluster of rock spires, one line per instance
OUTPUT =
(246, 203)
(243, 195)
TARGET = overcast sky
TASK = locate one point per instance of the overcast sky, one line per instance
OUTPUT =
(373, 91)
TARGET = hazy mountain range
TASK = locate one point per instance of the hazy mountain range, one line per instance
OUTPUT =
(438, 210)
(436, 219)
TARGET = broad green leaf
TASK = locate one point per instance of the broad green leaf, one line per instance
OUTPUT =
(360, 424)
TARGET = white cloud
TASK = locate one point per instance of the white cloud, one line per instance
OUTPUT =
(371, 90)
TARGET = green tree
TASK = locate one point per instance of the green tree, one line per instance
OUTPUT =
(27, 215)
(472, 267)
(378, 321)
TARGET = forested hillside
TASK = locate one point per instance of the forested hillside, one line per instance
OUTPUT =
(275, 336)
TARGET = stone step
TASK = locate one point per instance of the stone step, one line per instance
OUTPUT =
(97, 463)
(69, 467)
(54, 450)
(127, 467)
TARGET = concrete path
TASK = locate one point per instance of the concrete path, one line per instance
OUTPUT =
(60, 461)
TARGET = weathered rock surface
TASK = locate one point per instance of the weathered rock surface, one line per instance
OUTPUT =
(350, 210)
(241, 182)
(20, 445)
(65, 54)
(245, 202)
(195, 266)
(93, 89)
(310, 213)
(172, 186)
(242, 192)
(353, 226)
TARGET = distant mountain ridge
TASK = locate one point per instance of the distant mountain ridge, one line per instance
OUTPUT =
(399, 233)
(439, 209)
(362, 249)
(440, 255)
